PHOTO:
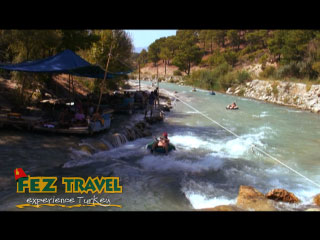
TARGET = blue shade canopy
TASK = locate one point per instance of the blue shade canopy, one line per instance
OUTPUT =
(65, 62)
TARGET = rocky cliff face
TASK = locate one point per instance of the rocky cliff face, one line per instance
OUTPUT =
(297, 95)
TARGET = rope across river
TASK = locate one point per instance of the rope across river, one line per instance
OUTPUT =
(236, 135)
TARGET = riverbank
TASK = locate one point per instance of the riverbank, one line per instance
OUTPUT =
(297, 95)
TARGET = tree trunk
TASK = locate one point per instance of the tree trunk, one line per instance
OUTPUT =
(189, 66)
(22, 88)
(69, 82)
(165, 68)
(139, 78)
(72, 88)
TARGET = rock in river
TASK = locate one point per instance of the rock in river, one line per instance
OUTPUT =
(316, 199)
(223, 208)
(250, 198)
(282, 195)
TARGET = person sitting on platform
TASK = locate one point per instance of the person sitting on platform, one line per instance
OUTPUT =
(65, 118)
(79, 117)
(97, 117)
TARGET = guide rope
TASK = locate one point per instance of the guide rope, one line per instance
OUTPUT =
(236, 135)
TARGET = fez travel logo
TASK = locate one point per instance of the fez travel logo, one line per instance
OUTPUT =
(28, 184)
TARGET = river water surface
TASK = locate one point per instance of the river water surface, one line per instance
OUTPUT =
(206, 170)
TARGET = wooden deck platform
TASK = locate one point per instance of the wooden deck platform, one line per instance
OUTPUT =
(18, 122)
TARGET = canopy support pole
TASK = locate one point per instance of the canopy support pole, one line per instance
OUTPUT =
(69, 82)
(157, 76)
(72, 87)
(104, 79)
(139, 78)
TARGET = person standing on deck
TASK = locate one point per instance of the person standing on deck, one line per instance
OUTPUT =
(156, 94)
(150, 104)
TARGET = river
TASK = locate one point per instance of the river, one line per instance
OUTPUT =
(206, 170)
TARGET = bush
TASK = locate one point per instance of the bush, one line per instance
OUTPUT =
(243, 76)
(275, 90)
(241, 92)
(263, 59)
(288, 70)
(216, 59)
(231, 57)
(177, 73)
(222, 69)
(268, 72)
(228, 80)
(306, 70)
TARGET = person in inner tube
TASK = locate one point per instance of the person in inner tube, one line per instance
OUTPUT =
(232, 106)
(163, 142)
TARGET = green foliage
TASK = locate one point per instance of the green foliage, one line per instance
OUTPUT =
(287, 71)
(153, 53)
(316, 67)
(241, 92)
(231, 57)
(275, 90)
(308, 87)
(228, 80)
(177, 73)
(234, 38)
(143, 57)
(268, 72)
(220, 78)
(296, 43)
(243, 76)
(187, 54)
(216, 58)
(76, 40)
(256, 39)
(263, 59)
(121, 50)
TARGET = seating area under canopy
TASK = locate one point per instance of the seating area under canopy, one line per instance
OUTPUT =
(66, 62)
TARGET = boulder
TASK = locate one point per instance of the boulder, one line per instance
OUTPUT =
(316, 108)
(86, 148)
(250, 198)
(223, 208)
(312, 102)
(101, 146)
(282, 195)
(316, 199)
(117, 139)
(229, 91)
(313, 210)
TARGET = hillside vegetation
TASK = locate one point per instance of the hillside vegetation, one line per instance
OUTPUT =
(219, 59)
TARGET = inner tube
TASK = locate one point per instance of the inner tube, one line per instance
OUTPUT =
(161, 149)
(236, 108)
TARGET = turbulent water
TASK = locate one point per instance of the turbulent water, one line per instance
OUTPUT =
(206, 170)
